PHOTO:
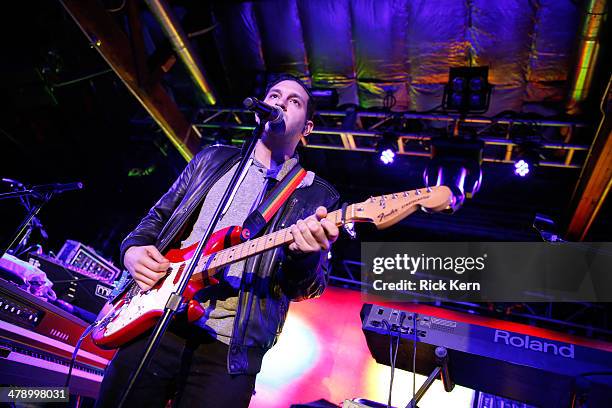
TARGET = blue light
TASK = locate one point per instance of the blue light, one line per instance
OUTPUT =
(458, 84)
(476, 100)
(387, 156)
(476, 84)
(521, 168)
(456, 99)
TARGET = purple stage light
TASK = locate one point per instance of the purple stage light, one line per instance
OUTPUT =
(521, 168)
(387, 156)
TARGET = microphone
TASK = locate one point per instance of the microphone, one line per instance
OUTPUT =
(267, 113)
(56, 187)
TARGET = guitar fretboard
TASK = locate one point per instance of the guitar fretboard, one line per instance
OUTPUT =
(388, 210)
(209, 263)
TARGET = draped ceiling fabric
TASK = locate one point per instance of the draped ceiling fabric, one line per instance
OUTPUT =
(369, 48)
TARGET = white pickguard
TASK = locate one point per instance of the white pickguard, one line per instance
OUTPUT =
(143, 302)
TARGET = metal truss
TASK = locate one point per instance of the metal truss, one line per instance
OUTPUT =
(360, 131)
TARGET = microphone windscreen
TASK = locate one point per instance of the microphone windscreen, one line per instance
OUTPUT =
(248, 102)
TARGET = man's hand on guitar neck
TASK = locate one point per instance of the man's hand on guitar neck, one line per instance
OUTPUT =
(313, 234)
(146, 265)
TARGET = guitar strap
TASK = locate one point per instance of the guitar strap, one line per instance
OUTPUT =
(257, 220)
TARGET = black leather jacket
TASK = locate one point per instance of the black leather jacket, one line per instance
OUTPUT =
(271, 279)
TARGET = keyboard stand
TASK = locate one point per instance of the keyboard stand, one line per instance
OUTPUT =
(441, 369)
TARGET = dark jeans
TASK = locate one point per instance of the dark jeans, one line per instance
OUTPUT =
(189, 368)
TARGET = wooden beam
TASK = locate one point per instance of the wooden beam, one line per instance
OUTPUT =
(139, 53)
(595, 179)
(116, 48)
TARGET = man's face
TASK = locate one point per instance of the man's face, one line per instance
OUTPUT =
(293, 100)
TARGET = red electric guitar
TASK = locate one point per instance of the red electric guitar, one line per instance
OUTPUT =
(134, 311)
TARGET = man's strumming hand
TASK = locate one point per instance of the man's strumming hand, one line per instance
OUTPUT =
(146, 265)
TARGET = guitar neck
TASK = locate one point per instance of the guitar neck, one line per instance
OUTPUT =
(209, 263)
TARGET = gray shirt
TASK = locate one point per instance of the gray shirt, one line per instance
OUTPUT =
(220, 301)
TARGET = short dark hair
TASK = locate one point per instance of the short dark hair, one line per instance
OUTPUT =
(310, 105)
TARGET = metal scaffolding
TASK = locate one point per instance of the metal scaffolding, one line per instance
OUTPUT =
(360, 131)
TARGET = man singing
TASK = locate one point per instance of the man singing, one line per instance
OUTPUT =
(213, 362)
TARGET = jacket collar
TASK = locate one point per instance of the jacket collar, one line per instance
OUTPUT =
(278, 172)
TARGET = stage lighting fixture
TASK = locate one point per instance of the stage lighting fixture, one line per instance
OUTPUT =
(386, 147)
(455, 162)
(387, 156)
(467, 90)
(526, 159)
(521, 168)
(325, 98)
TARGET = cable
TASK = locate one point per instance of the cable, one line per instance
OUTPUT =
(392, 352)
(117, 9)
(203, 31)
(392, 371)
(414, 350)
(392, 358)
(84, 78)
(76, 351)
(78, 343)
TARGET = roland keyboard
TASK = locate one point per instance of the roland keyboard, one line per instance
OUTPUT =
(515, 361)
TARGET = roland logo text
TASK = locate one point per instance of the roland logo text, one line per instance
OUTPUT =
(526, 342)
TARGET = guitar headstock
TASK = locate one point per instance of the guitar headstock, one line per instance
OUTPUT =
(386, 210)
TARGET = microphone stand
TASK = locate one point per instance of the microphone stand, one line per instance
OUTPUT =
(176, 298)
(33, 211)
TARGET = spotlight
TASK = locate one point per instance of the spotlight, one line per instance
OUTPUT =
(527, 158)
(455, 162)
(386, 147)
(467, 90)
(387, 156)
(521, 168)
(325, 98)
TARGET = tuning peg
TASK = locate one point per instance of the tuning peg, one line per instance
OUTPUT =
(428, 189)
(417, 192)
(371, 199)
(382, 202)
(349, 227)
(405, 194)
(394, 196)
